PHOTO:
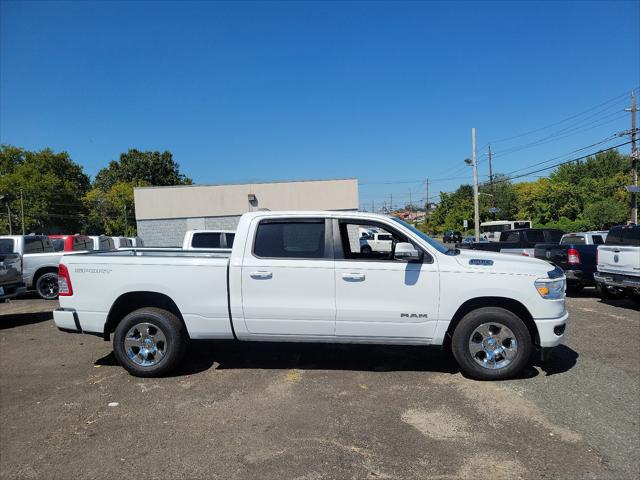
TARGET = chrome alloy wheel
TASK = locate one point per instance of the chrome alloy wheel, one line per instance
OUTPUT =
(493, 346)
(145, 344)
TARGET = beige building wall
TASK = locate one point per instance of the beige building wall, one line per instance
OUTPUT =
(153, 203)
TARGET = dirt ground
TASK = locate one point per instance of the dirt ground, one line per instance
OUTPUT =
(253, 410)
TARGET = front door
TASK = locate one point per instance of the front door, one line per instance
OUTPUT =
(288, 285)
(378, 296)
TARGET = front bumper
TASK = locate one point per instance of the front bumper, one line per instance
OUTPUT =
(551, 331)
(617, 280)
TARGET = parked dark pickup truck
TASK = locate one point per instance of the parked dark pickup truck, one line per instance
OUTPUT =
(520, 241)
(576, 254)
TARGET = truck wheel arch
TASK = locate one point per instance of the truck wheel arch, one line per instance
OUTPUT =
(510, 304)
(130, 301)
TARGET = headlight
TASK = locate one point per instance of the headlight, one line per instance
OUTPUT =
(550, 289)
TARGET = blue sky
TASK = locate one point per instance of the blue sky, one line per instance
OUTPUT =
(383, 91)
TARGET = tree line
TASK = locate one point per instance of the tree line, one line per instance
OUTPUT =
(57, 196)
(585, 195)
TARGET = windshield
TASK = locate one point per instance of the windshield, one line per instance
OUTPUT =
(437, 245)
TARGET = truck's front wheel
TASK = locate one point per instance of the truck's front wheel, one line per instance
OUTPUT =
(491, 343)
(149, 342)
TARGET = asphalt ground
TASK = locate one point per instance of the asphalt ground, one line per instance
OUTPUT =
(300, 411)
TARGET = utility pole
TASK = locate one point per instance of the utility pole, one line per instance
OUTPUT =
(426, 196)
(476, 205)
(390, 202)
(634, 161)
(9, 215)
(373, 206)
(125, 220)
(410, 202)
(22, 210)
(490, 170)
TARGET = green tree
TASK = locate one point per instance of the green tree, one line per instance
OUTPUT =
(150, 168)
(52, 187)
(109, 210)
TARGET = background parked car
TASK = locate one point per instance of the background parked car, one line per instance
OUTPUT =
(208, 239)
(11, 283)
(122, 242)
(452, 237)
(576, 254)
(102, 242)
(71, 243)
(619, 263)
(136, 241)
(520, 241)
(40, 263)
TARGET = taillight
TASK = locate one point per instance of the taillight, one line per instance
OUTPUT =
(573, 256)
(64, 282)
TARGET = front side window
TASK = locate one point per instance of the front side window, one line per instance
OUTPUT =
(206, 240)
(380, 247)
(597, 239)
(290, 239)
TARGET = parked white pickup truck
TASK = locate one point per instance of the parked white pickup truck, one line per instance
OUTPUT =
(208, 239)
(40, 262)
(619, 263)
(300, 277)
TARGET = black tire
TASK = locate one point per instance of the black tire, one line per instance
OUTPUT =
(47, 285)
(173, 347)
(491, 315)
(609, 293)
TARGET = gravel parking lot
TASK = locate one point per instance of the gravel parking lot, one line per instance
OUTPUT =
(318, 411)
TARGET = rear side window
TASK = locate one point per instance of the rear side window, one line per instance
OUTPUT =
(627, 237)
(206, 240)
(82, 243)
(597, 239)
(6, 245)
(512, 237)
(574, 240)
(554, 235)
(535, 236)
(296, 239)
(230, 238)
(58, 244)
(33, 245)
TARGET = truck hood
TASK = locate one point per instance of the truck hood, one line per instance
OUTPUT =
(495, 262)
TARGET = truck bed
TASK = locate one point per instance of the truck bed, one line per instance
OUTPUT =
(196, 282)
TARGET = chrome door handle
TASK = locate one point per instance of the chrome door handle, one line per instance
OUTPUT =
(353, 276)
(262, 275)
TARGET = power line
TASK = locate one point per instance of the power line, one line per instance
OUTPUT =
(618, 98)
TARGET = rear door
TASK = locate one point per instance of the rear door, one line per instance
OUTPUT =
(288, 285)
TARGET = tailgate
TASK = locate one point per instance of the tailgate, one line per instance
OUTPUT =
(619, 259)
(552, 252)
(10, 269)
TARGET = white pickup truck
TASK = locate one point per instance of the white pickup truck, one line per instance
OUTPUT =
(300, 277)
(208, 239)
(40, 262)
(619, 263)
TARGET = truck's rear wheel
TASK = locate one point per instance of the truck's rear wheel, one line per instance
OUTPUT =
(149, 342)
(491, 343)
(47, 285)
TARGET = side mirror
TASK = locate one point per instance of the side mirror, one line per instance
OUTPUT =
(406, 251)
